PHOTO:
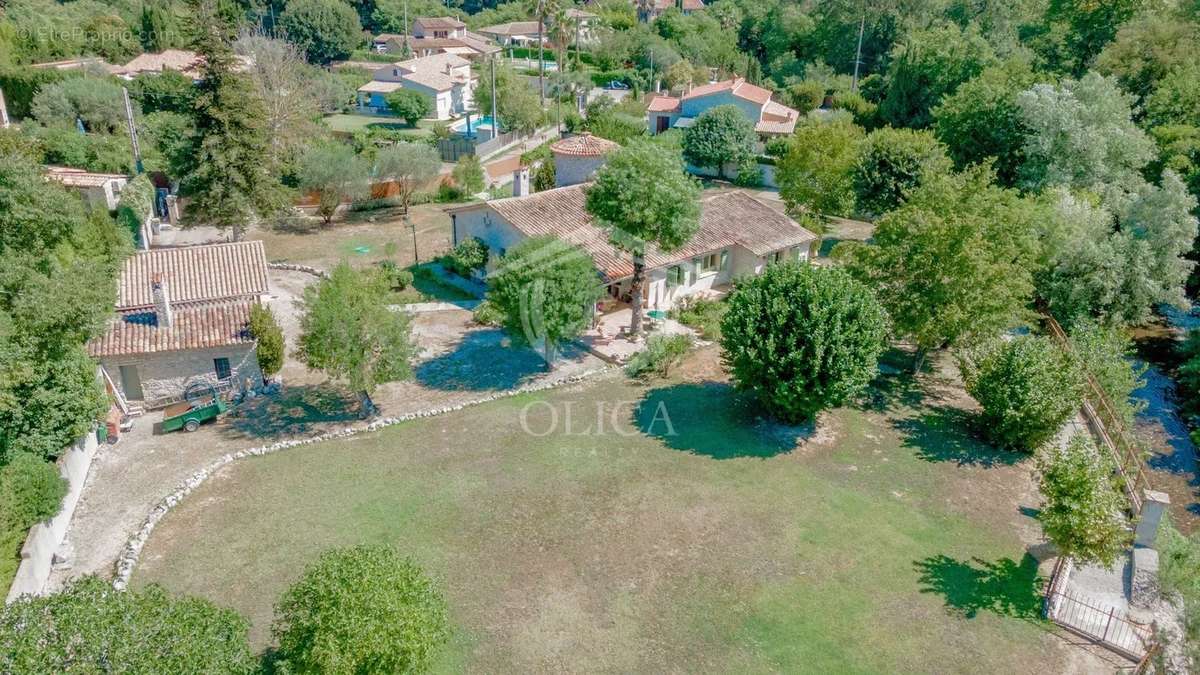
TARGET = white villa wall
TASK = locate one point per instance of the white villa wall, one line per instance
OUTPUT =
(489, 227)
(45, 538)
(164, 375)
(573, 170)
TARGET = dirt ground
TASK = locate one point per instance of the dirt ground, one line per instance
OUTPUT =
(458, 362)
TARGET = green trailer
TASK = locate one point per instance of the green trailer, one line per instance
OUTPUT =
(189, 415)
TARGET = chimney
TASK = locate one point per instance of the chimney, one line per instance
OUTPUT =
(521, 182)
(162, 302)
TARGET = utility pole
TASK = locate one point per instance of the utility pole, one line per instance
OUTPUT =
(652, 87)
(406, 47)
(862, 22)
(541, 12)
(133, 136)
(495, 119)
(4, 122)
(413, 227)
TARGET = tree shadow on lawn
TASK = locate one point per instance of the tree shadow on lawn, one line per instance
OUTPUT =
(714, 420)
(485, 360)
(1005, 587)
(295, 410)
(943, 434)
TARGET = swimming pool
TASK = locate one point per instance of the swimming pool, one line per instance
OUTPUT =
(484, 123)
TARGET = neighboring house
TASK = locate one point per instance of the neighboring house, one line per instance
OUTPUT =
(81, 63)
(182, 316)
(445, 78)
(738, 235)
(182, 61)
(514, 33)
(520, 33)
(651, 10)
(770, 118)
(436, 35)
(577, 158)
(97, 189)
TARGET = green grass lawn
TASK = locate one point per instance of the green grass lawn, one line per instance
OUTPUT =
(886, 542)
(350, 123)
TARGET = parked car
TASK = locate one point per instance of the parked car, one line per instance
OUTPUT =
(616, 84)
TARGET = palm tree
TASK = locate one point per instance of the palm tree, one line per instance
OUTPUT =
(542, 9)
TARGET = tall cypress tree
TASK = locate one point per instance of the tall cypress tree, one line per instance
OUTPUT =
(229, 181)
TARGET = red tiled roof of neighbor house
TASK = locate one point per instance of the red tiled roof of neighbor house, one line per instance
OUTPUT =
(726, 219)
(439, 22)
(663, 104)
(737, 86)
(777, 119)
(583, 145)
(180, 60)
(79, 177)
(512, 28)
(194, 273)
(197, 326)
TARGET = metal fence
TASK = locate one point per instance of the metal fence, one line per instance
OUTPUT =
(1109, 429)
(451, 149)
(1108, 626)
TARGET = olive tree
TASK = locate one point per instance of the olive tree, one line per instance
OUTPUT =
(546, 289)
(802, 338)
(720, 136)
(333, 173)
(362, 609)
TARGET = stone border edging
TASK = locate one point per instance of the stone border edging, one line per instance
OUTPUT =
(292, 267)
(133, 548)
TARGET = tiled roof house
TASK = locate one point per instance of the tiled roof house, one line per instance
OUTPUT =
(445, 78)
(183, 314)
(769, 117)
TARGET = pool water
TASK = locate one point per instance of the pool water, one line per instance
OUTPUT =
(477, 123)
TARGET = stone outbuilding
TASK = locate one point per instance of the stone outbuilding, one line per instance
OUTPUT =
(182, 316)
(577, 158)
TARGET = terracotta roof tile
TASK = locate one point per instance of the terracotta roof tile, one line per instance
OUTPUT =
(726, 219)
(194, 273)
(583, 145)
(81, 178)
(197, 326)
(439, 22)
(663, 104)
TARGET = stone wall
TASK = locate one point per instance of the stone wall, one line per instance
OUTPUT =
(37, 555)
(573, 170)
(133, 549)
(165, 375)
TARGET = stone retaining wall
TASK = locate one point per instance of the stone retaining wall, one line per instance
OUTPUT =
(133, 548)
(292, 267)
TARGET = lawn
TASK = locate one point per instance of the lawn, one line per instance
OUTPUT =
(885, 541)
(350, 123)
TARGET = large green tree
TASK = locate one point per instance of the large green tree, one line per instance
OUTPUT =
(409, 105)
(802, 338)
(517, 105)
(349, 332)
(409, 166)
(359, 610)
(326, 30)
(953, 264)
(891, 164)
(546, 289)
(1082, 135)
(642, 197)
(89, 627)
(927, 65)
(228, 179)
(720, 136)
(981, 121)
(815, 172)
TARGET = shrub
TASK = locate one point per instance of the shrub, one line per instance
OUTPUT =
(269, 335)
(409, 105)
(487, 314)
(802, 338)
(397, 276)
(1180, 575)
(31, 490)
(1082, 513)
(362, 609)
(1027, 387)
(89, 627)
(703, 314)
(545, 177)
(467, 258)
(662, 353)
(1107, 353)
(448, 191)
